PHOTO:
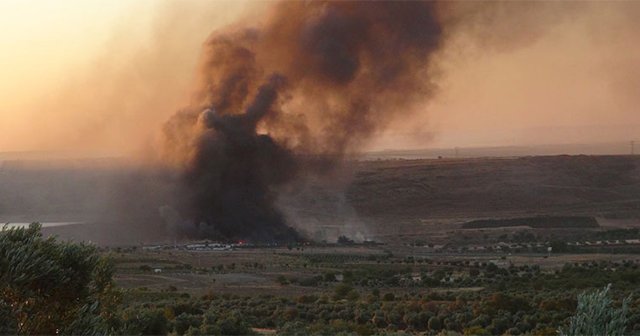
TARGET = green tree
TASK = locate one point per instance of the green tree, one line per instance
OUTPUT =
(234, 324)
(49, 287)
(435, 324)
(209, 326)
(185, 321)
(388, 297)
(476, 331)
(341, 291)
(596, 316)
(144, 321)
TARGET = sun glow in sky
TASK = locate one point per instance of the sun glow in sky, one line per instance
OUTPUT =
(81, 74)
(40, 40)
(93, 75)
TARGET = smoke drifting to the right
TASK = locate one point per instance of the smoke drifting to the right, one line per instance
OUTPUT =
(290, 97)
(281, 98)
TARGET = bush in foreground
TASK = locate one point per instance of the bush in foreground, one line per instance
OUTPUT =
(595, 315)
(51, 287)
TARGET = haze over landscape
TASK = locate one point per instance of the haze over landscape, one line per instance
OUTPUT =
(503, 78)
(319, 167)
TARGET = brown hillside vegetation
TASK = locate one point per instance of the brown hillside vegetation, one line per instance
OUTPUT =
(423, 196)
(391, 197)
(482, 187)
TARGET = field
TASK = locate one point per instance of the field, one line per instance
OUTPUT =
(491, 245)
(427, 196)
(369, 289)
(499, 277)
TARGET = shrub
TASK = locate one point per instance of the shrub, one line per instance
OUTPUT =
(145, 321)
(435, 324)
(49, 287)
(185, 321)
(595, 315)
(388, 297)
(341, 291)
(233, 324)
(477, 330)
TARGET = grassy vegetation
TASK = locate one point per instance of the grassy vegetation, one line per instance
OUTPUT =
(540, 222)
(314, 291)
(353, 309)
(431, 276)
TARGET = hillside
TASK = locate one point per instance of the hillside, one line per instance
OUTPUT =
(604, 185)
(388, 198)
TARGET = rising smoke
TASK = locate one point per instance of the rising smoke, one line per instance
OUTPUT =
(291, 97)
(333, 76)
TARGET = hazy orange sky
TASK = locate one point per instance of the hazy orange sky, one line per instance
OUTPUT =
(103, 76)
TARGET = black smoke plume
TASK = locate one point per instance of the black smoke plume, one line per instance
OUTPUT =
(291, 96)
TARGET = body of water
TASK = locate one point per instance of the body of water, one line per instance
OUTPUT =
(44, 224)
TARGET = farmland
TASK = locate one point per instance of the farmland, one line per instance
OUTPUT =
(550, 228)
(491, 245)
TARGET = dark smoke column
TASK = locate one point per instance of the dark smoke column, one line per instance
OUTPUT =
(234, 172)
(314, 80)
